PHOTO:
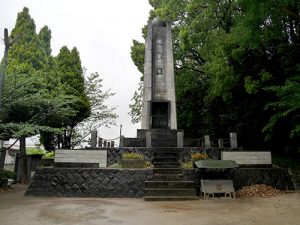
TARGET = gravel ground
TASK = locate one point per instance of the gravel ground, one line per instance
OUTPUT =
(19, 210)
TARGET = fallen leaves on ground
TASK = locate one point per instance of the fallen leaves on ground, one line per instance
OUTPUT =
(4, 190)
(258, 190)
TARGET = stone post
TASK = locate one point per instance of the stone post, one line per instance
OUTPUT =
(148, 139)
(233, 140)
(108, 144)
(207, 143)
(180, 138)
(112, 144)
(99, 142)
(94, 139)
(220, 143)
(121, 144)
(104, 144)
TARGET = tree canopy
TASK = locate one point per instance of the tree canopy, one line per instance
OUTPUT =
(237, 68)
(43, 93)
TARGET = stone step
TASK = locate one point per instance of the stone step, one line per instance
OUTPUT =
(163, 144)
(167, 149)
(165, 154)
(170, 192)
(167, 170)
(170, 198)
(168, 177)
(165, 159)
(166, 164)
(170, 184)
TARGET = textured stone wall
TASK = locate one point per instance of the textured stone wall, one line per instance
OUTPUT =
(114, 154)
(275, 177)
(83, 182)
(213, 153)
(129, 183)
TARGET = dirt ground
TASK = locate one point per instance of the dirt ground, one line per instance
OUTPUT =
(15, 209)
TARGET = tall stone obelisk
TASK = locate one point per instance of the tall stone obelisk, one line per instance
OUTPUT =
(159, 103)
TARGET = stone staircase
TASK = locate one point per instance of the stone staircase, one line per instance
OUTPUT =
(168, 182)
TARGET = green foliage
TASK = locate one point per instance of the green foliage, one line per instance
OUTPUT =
(35, 151)
(115, 165)
(148, 164)
(17, 130)
(49, 155)
(187, 165)
(132, 155)
(27, 55)
(136, 105)
(236, 67)
(199, 156)
(286, 162)
(101, 113)
(137, 55)
(287, 108)
(71, 76)
(7, 174)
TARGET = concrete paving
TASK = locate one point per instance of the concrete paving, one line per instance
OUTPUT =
(15, 209)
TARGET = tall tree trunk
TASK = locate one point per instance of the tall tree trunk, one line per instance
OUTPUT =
(24, 178)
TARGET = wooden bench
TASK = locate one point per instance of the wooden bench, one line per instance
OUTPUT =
(211, 187)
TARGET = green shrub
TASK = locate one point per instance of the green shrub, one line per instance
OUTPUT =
(148, 164)
(115, 165)
(187, 165)
(35, 151)
(199, 156)
(49, 155)
(127, 155)
(7, 174)
(285, 162)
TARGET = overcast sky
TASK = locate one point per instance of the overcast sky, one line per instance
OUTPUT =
(102, 31)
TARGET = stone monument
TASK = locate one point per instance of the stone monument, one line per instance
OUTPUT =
(159, 120)
(159, 103)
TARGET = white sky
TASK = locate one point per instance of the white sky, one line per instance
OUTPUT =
(102, 31)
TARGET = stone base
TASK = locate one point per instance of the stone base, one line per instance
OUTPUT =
(82, 182)
(130, 183)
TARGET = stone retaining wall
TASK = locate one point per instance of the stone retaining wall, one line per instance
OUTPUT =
(83, 182)
(129, 183)
(275, 177)
(114, 154)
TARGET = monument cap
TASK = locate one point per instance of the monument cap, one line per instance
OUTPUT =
(158, 23)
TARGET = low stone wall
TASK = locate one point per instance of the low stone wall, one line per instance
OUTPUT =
(94, 182)
(213, 153)
(129, 183)
(114, 154)
(275, 177)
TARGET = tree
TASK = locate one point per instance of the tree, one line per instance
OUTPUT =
(35, 99)
(228, 56)
(287, 110)
(71, 76)
(101, 114)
